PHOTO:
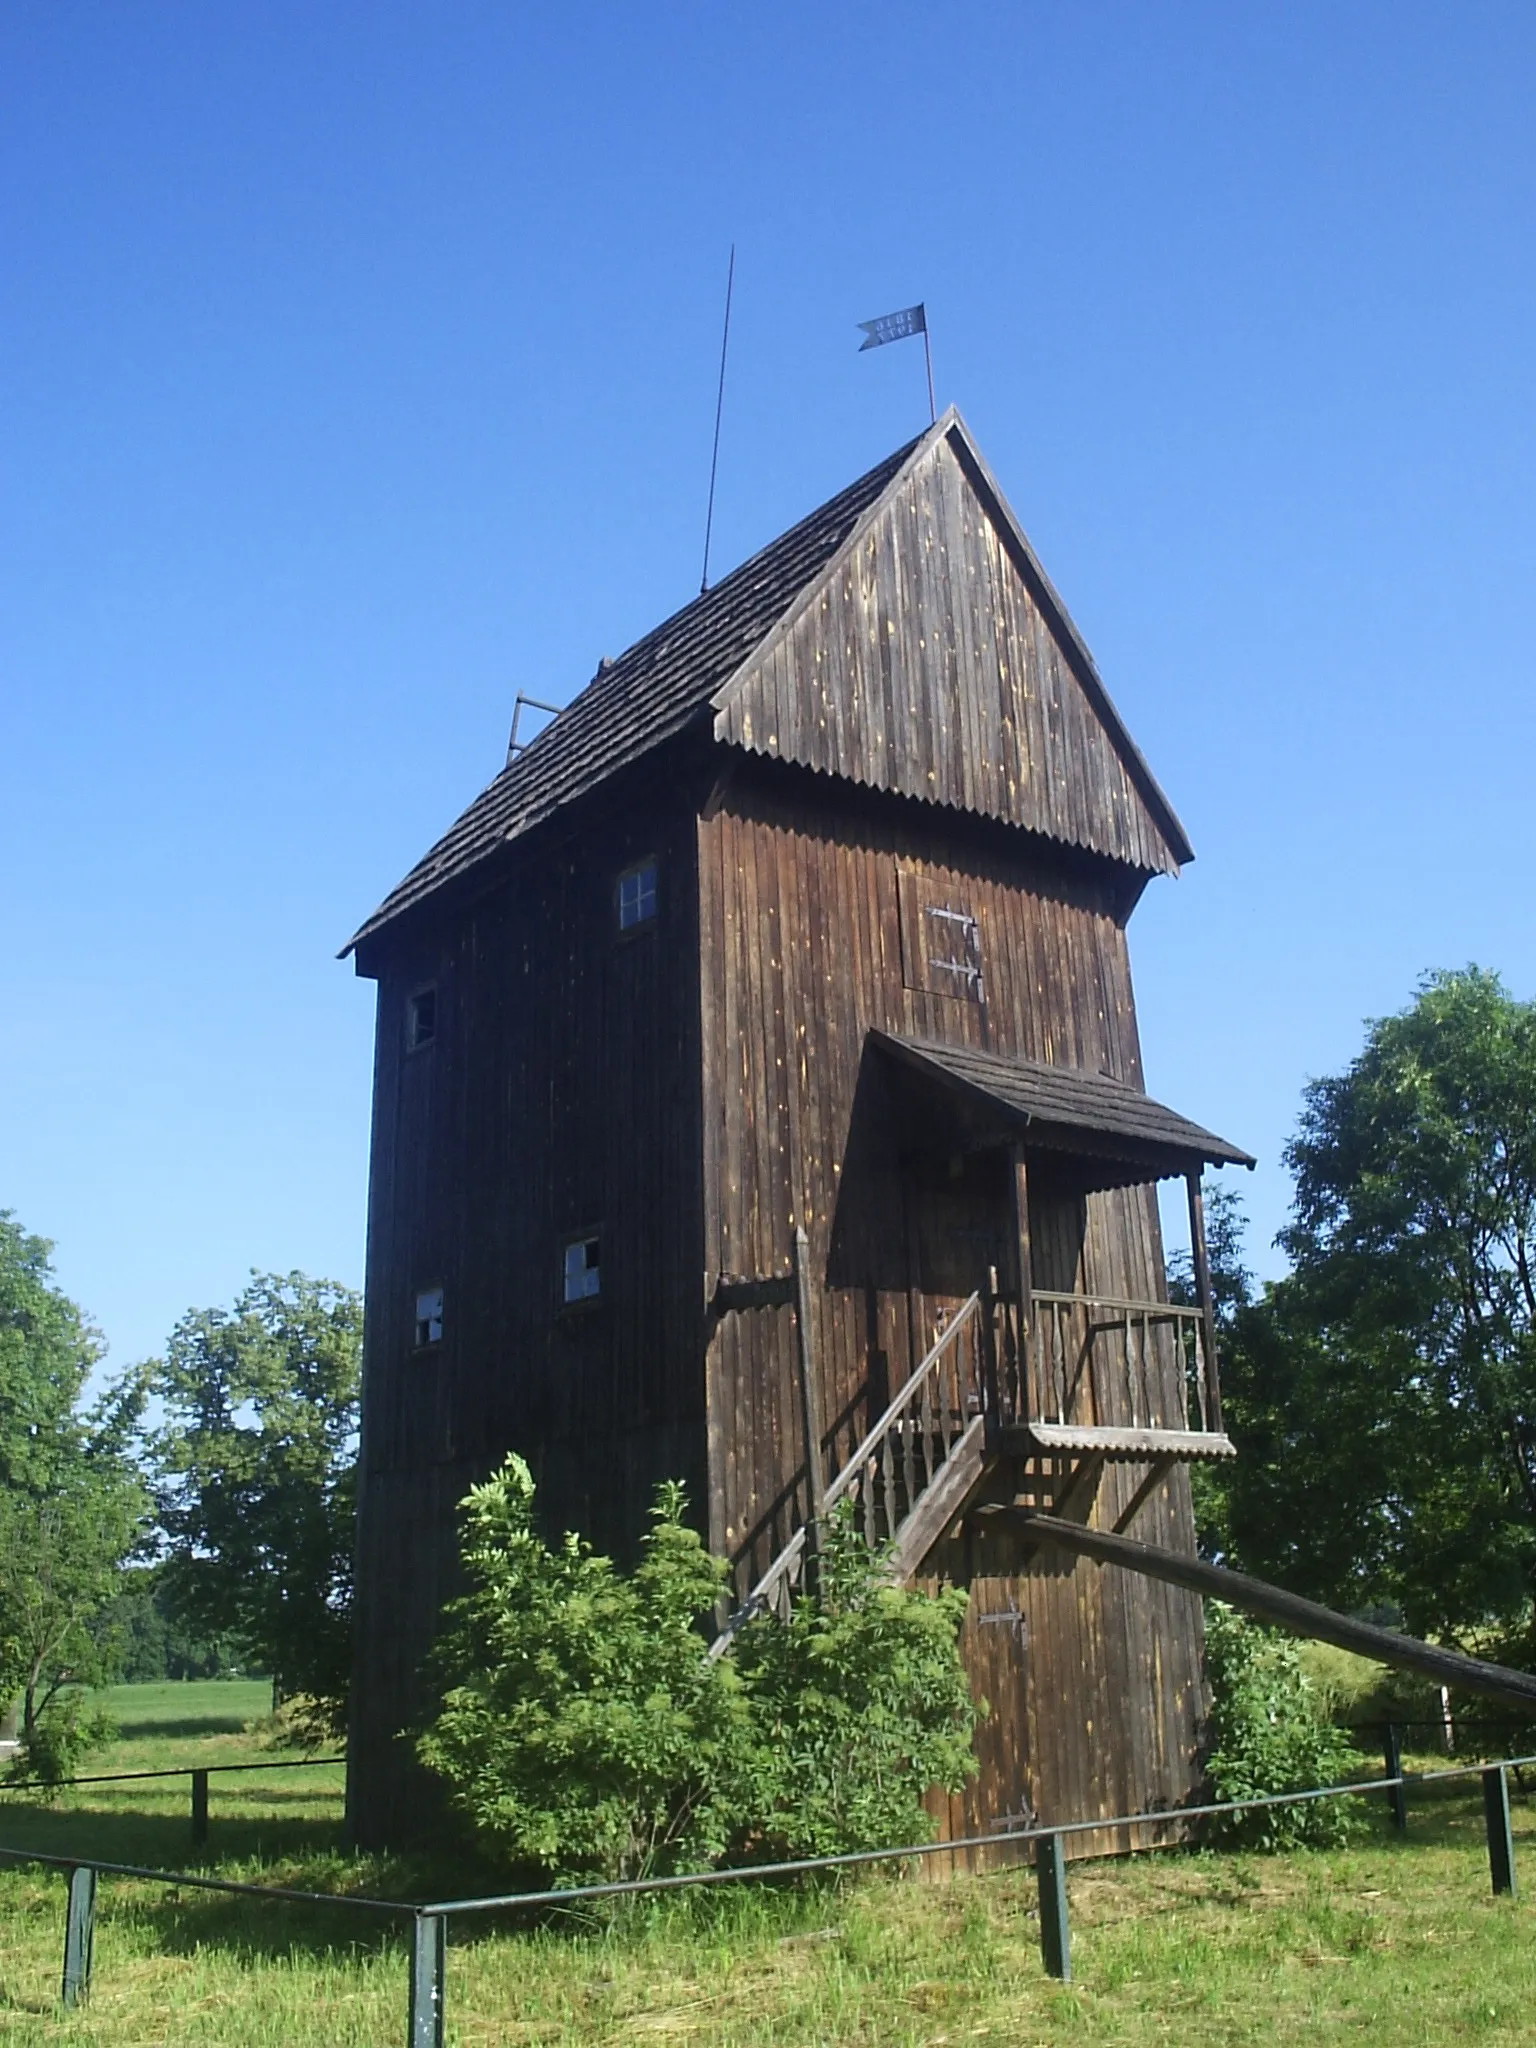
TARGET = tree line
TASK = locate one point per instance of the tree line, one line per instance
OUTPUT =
(1382, 1395)
(196, 1511)
(191, 1516)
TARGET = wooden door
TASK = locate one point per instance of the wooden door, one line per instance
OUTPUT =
(959, 1224)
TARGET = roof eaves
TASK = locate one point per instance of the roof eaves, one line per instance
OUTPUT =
(513, 802)
(948, 1064)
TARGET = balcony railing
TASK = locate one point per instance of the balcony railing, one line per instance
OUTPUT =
(1099, 1361)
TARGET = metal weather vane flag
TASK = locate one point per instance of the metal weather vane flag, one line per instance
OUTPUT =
(897, 327)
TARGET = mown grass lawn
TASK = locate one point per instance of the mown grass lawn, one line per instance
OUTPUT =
(1391, 1942)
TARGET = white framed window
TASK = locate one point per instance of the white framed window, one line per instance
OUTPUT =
(420, 1018)
(581, 1273)
(637, 895)
(429, 1317)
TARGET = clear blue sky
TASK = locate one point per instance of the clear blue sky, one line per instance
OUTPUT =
(357, 368)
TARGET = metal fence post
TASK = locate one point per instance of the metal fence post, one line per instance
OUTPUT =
(1397, 1795)
(199, 1808)
(429, 1955)
(1055, 1934)
(79, 1934)
(1501, 1841)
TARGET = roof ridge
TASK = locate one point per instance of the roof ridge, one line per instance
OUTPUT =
(647, 693)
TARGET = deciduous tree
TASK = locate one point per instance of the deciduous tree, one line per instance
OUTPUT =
(72, 1503)
(255, 1459)
(1383, 1395)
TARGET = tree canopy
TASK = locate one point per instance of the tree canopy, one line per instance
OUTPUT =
(255, 1468)
(1383, 1394)
(72, 1505)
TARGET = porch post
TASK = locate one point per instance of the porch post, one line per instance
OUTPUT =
(1028, 1392)
(1207, 1307)
(810, 1400)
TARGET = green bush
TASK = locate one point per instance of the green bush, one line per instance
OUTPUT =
(859, 1703)
(583, 1731)
(1270, 1733)
(65, 1733)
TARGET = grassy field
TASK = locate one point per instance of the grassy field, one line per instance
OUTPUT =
(1390, 1942)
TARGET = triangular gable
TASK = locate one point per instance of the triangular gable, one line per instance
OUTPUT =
(932, 657)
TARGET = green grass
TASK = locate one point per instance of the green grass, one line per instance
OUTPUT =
(171, 1716)
(1388, 1942)
(256, 1816)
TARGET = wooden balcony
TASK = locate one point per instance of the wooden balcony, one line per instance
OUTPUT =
(1097, 1381)
(1108, 1372)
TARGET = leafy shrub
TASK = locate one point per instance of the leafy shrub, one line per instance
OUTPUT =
(583, 1731)
(859, 1704)
(59, 1741)
(1270, 1733)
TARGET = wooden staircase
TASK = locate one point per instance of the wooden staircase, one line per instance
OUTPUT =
(985, 1416)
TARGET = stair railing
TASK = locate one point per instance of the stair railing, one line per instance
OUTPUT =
(900, 1456)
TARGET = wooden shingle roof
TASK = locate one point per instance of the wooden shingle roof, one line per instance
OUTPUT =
(1068, 1109)
(770, 660)
(648, 695)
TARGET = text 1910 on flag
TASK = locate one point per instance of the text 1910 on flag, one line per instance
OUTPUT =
(892, 327)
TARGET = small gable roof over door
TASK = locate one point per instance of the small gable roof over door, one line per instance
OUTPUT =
(934, 658)
(903, 636)
(1103, 1123)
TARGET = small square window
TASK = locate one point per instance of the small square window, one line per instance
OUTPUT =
(421, 1019)
(637, 896)
(583, 1273)
(429, 1317)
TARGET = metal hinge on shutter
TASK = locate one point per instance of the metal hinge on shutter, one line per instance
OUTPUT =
(962, 925)
(1006, 1617)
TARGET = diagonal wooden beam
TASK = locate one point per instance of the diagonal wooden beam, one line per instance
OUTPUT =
(1078, 1495)
(1157, 1473)
(1302, 1617)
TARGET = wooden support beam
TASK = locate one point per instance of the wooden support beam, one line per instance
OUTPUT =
(987, 1334)
(1029, 1393)
(1302, 1617)
(1202, 1267)
(1157, 1472)
(1076, 1498)
(810, 1399)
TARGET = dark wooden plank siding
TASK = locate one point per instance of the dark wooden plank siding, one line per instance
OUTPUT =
(800, 907)
(925, 665)
(560, 1094)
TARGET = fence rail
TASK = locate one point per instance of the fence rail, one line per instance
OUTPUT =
(428, 1921)
(198, 1773)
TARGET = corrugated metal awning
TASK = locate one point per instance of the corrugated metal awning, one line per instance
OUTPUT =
(1065, 1109)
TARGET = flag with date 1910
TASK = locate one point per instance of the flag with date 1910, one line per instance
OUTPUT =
(892, 327)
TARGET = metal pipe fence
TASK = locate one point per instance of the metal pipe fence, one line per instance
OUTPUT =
(199, 1774)
(428, 1921)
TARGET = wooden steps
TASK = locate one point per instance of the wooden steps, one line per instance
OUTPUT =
(942, 1502)
(942, 1448)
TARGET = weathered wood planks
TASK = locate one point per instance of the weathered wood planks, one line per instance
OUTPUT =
(926, 663)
